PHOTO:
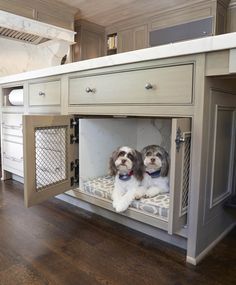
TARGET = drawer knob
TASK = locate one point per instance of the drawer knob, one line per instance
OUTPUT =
(90, 90)
(148, 86)
(41, 93)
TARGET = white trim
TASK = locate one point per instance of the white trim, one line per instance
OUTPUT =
(195, 261)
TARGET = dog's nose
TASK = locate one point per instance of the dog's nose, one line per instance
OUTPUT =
(152, 160)
(123, 161)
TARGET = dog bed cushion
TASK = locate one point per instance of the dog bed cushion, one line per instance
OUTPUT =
(102, 187)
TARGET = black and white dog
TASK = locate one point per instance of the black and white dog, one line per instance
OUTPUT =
(156, 161)
(127, 166)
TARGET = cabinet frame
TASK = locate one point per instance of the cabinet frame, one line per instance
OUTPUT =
(176, 222)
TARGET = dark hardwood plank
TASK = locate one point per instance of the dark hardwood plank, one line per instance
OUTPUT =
(57, 243)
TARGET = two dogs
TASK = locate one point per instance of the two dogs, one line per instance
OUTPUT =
(138, 174)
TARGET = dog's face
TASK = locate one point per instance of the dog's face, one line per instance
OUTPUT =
(124, 160)
(156, 158)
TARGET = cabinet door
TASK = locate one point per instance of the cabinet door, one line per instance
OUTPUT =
(49, 153)
(92, 46)
(140, 37)
(125, 41)
(180, 173)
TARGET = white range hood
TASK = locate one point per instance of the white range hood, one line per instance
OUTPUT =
(31, 31)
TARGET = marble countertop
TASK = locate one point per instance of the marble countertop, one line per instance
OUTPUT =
(208, 44)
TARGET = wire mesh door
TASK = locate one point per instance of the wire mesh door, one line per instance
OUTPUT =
(48, 154)
(185, 174)
(179, 175)
(51, 154)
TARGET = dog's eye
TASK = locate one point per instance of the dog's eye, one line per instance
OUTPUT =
(122, 153)
(149, 153)
(130, 156)
(159, 155)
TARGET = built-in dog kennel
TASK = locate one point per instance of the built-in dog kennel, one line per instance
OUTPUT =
(74, 155)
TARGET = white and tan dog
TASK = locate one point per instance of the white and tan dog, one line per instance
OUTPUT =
(156, 161)
(127, 166)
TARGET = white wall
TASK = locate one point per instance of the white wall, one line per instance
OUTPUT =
(100, 137)
(17, 57)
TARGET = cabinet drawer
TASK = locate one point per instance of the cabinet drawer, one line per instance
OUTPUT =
(13, 157)
(12, 124)
(164, 85)
(45, 93)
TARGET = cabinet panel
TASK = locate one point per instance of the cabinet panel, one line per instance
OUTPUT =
(89, 40)
(140, 37)
(45, 93)
(12, 124)
(125, 41)
(48, 162)
(221, 153)
(92, 45)
(167, 85)
(13, 157)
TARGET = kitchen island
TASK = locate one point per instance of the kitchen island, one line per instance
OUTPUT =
(182, 96)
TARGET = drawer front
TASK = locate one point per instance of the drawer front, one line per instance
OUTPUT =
(12, 125)
(13, 157)
(46, 93)
(164, 85)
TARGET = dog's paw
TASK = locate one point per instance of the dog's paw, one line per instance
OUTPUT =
(114, 204)
(121, 208)
(138, 196)
(152, 192)
(140, 192)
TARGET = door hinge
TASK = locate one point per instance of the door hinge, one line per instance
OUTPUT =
(179, 139)
(74, 166)
(74, 123)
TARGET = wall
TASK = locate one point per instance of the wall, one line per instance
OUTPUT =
(17, 57)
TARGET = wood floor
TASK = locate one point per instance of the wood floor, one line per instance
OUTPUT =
(56, 243)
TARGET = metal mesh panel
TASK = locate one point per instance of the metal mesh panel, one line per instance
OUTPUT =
(51, 156)
(185, 178)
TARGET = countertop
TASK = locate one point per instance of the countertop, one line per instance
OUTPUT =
(208, 44)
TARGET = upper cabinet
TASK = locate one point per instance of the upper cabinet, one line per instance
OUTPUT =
(194, 19)
(132, 39)
(90, 40)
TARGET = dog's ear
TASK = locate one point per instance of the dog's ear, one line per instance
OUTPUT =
(112, 166)
(144, 151)
(165, 164)
(138, 166)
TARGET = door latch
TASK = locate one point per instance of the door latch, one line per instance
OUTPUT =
(179, 139)
(74, 165)
(74, 123)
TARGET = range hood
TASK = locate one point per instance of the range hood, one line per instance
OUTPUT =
(31, 31)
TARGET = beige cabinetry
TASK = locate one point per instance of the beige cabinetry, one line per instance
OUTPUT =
(90, 39)
(177, 102)
(204, 18)
(132, 39)
(12, 143)
(147, 85)
(45, 93)
(39, 96)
